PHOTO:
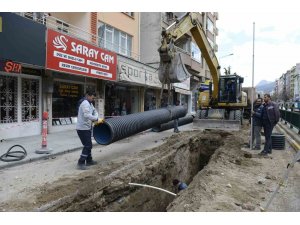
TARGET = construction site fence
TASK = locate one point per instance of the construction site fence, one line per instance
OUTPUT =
(293, 118)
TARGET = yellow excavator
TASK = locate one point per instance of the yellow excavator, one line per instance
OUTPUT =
(221, 100)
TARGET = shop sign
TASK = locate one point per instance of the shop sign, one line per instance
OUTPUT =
(153, 80)
(10, 66)
(68, 90)
(71, 55)
(183, 85)
(140, 75)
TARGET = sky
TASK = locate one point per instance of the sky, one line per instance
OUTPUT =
(276, 43)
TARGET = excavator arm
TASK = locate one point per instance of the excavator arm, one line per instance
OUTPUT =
(171, 67)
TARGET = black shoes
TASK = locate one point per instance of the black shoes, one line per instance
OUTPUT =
(91, 163)
(176, 131)
(81, 166)
(256, 148)
(263, 153)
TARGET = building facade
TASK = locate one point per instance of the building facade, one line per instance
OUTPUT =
(64, 54)
(151, 28)
(22, 60)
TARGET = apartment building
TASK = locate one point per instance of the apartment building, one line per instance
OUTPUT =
(151, 27)
(138, 83)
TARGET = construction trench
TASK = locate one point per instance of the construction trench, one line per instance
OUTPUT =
(112, 192)
(221, 175)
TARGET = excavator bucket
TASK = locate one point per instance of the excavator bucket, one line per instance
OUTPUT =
(174, 71)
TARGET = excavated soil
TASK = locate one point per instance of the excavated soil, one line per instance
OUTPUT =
(221, 176)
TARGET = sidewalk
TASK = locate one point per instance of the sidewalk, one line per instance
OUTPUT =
(60, 143)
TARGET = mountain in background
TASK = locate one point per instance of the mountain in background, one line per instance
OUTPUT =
(265, 86)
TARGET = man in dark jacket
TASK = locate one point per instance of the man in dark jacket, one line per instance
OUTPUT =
(257, 123)
(270, 117)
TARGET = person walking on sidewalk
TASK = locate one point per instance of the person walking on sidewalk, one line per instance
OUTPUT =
(257, 124)
(86, 115)
(270, 117)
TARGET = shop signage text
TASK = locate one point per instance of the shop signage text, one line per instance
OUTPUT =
(68, 90)
(138, 75)
(10, 67)
(68, 54)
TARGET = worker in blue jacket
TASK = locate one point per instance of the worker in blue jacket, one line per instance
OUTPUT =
(179, 185)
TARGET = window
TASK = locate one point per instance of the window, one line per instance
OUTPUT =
(210, 25)
(195, 52)
(169, 15)
(8, 99)
(30, 99)
(211, 43)
(114, 40)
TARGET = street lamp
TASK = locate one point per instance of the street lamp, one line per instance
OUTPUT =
(224, 56)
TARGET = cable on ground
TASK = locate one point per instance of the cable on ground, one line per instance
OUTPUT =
(11, 156)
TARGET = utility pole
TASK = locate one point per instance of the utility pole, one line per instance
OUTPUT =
(252, 94)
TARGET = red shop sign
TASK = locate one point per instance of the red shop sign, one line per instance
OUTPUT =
(10, 66)
(68, 54)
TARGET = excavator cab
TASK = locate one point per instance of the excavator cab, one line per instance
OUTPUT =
(230, 89)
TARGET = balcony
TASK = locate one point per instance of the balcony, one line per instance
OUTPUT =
(188, 60)
(61, 25)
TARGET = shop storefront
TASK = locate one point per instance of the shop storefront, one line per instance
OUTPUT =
(20, 100)
(137, 89)
(73, 67)
(22, 62)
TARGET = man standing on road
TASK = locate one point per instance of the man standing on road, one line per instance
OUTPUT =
(86, 115)
(257, 124)
(270, 117)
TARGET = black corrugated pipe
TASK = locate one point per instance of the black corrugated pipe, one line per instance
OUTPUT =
(169, 125)
(117, 128)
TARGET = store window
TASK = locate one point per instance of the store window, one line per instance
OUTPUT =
(30, 99)
(150, 100)
(114, 39)
(64, 102)
(8, 99)
(184, 100)
(120, 100)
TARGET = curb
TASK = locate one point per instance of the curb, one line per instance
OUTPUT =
(44, 156)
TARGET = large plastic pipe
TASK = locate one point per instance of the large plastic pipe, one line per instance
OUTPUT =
(169, 125)
(117, 128)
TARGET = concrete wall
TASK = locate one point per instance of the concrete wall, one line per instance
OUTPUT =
(150, 37)
(81, 20)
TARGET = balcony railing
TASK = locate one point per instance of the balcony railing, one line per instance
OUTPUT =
(77, 32)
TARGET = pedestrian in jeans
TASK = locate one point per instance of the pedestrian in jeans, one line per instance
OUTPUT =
(257, 124)
(270, 117)
(176, 120)
(86, 115)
